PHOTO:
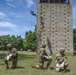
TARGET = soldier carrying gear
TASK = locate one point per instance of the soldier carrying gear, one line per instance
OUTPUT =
(43, 56)
(11, 56)
(61, 60)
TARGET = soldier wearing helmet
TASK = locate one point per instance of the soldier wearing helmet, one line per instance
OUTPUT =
(12, 55)
(43, 56)
(61, 60)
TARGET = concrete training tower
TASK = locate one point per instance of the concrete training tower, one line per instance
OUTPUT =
(54, 25)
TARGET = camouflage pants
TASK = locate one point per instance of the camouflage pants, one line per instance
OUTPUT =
(14, 62)
(44, 58)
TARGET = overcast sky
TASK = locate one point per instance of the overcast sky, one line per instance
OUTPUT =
(15, 17)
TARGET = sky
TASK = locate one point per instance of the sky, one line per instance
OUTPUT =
(15, 17)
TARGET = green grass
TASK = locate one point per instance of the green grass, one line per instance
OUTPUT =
(26, 59)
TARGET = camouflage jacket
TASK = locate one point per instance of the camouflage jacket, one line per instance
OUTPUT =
(61, 58)
(42, 52)
(14, 52)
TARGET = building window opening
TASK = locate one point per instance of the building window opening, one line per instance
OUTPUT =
(57, 1)
(51, 1)
(64, 1)
(43, 1)
(54, 1)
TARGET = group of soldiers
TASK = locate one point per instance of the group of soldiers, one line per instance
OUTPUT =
(61, 59)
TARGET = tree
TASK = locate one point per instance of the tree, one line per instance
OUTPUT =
(74, 38)
(30, 41)
(15, 41)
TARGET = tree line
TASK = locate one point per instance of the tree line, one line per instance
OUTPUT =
(27, 43)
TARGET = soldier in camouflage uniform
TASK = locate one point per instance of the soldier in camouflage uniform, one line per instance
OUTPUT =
(11, 56)
(43, 56)
(61, 61)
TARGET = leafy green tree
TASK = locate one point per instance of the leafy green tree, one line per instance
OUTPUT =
(30, 40)
(19, 42)
(16, 41)
(74, 38)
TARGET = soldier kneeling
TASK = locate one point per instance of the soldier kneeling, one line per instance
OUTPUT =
(12, 55)
(43, 56)
(61, 61)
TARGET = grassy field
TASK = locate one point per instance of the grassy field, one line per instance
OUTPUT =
(26, 59)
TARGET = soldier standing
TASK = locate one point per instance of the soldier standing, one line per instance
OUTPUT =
(43, 56)
(12, 55)
(61, 61)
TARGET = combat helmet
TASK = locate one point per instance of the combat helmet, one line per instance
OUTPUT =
(62, 50)
(9, 45)
(43, 45)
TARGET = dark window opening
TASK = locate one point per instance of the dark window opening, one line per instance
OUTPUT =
(43, 1)
(57, 1)
(62, 1)
(51, 1)
(54, 1)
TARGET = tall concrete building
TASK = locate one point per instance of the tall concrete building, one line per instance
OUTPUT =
(54, 25)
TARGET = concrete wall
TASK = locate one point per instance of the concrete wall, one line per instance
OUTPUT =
(56, 31)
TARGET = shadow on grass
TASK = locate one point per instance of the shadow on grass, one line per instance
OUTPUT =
(20, 67)
(67, 70)
(52, 68)
(1, 64)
